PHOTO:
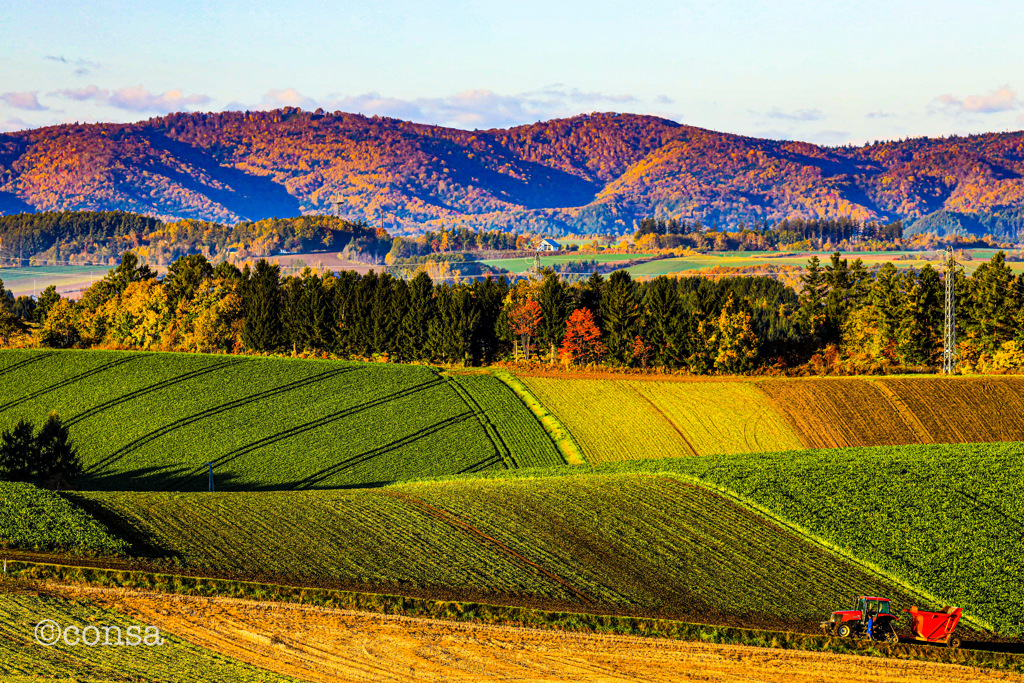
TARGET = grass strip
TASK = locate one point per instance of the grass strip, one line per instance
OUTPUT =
(566, 444)
(505, 615)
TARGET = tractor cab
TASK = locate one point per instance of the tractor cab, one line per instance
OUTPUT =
(870, 616)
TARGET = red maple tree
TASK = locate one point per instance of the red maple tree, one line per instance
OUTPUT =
(582, 342)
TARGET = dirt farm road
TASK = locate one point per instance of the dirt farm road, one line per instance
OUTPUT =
(317, 644)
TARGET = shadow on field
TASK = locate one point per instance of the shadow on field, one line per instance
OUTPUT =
(159, 478)
(212, 412)
(63, 384)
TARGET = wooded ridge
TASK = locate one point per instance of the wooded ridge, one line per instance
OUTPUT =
(591, 173)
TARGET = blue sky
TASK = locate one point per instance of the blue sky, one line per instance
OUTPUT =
(826, 72)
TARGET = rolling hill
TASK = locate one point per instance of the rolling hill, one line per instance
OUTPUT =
(154, 421)
(588, 173)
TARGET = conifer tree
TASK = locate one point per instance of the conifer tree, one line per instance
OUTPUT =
(263, 300)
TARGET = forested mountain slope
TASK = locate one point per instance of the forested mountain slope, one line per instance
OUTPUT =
(594, 172)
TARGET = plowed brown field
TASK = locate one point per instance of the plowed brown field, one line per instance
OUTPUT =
(331, 645)
(836, 413)
(964, 410)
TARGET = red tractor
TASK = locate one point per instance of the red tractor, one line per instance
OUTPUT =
(870, 618)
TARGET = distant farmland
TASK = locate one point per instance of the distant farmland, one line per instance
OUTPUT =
(147, 421)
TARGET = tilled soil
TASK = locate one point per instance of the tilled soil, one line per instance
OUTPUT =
(318, 644)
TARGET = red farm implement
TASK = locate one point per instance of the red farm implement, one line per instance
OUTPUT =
(935, 627)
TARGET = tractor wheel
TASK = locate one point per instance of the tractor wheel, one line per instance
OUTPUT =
(953, 643)
(844, 630)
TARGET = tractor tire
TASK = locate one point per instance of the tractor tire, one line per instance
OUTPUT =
(844, 630)
(953, 643)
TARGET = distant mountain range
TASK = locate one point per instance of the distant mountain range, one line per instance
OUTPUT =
(585, 174)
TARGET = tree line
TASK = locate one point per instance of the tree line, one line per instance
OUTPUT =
(845, 318)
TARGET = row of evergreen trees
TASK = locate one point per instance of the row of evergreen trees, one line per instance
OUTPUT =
(728, 325)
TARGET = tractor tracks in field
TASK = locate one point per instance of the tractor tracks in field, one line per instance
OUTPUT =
(482, 537)
(63, 384)
(665, 417)
(213, 411)
(490, 429)
(158, 386)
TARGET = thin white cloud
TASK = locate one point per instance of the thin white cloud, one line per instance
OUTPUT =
(481, 108)
(135, 98)
(797, 115)
(879, 115)
(287, 97)
(27, 100)
(1001, 99)
(81, 67)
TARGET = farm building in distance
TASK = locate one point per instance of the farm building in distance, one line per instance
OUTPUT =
(548, 244)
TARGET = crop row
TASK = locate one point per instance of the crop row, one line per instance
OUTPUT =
(518, 431)
(632, 420)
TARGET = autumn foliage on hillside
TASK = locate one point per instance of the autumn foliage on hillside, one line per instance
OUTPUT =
(585, 174)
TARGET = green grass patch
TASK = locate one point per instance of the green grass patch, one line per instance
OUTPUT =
(36, 519)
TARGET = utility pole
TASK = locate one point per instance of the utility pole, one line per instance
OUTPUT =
(949, 338)
(210, 465)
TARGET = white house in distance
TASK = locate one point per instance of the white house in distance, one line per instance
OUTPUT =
(548, 244)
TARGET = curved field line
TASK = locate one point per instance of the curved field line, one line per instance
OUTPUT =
(138, 393)
(67, 382)
(565, 443)
(489, 428)
(906, 413)
(452, 520)
(103, 463)
(667, 419)
(348, 463)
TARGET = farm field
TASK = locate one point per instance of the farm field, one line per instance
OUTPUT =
(674, 418)
(519, 265)
(836, 413)
(964, 410)
(69, 280)
(152, 421)
(23, 659)
(946, 518)
(663, 419)
(619, 543)
(327, 645)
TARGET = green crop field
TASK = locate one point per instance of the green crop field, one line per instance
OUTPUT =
(151, 421)
(946, 518)
(519, 265)
(36, 519)
(630, 420)
(24, 659)
(621, 542)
